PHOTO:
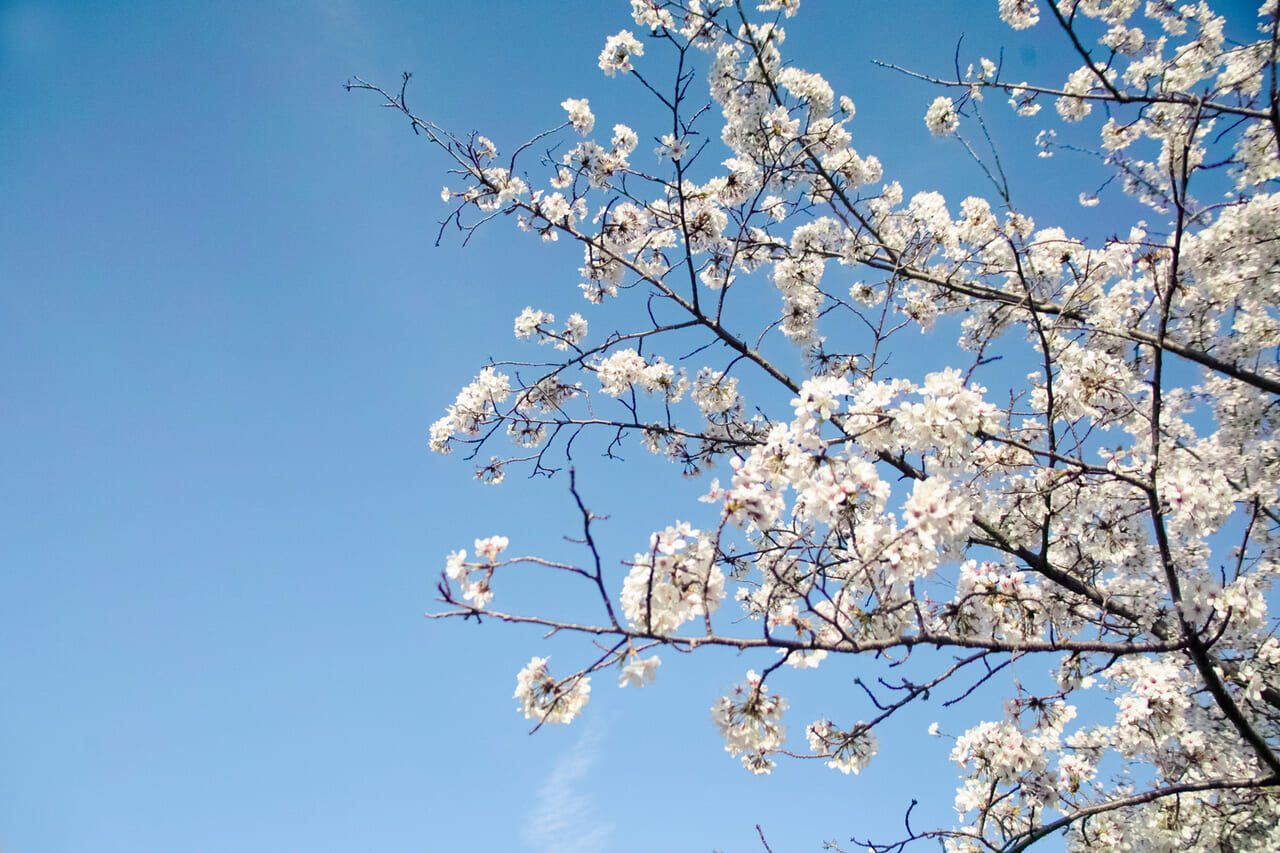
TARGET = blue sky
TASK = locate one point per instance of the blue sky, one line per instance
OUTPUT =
(224, 331)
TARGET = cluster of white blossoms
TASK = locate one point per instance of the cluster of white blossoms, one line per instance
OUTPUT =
(941, 119)
(587, 160)
(638, 671)
(715, 393)
(457, 569)
(750, 719)
(625, 368)
(618, 51)
(993, 601)
(672, 147)
(675, 582)
(532, 322)
(1091, 489)
(476, 406)
(546, 700)
(491, 547)
(1001, 754)
(1019, 14)
(580, 115)
(849, 751)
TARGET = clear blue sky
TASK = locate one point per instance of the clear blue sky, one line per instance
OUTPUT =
(224, 331)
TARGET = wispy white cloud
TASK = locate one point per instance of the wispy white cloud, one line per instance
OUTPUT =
(565, 818)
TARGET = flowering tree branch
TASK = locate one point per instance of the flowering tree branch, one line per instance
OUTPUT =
(1118, 511)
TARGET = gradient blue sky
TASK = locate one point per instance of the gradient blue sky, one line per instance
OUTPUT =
(224, 330)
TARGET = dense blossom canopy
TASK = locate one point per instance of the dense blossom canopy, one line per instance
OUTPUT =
(1105, 514)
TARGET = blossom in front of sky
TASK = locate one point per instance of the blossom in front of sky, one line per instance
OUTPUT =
(617, 53)
(580, 115)
(942, 118)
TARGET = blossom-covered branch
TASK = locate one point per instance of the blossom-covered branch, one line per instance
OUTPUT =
(1086, 481)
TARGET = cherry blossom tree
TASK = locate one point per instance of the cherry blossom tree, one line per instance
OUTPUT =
(1085, 483)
